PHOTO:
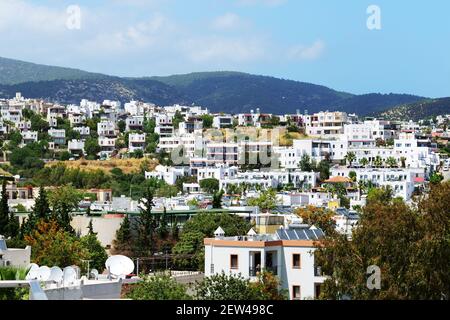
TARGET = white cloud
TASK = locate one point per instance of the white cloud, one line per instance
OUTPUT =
(312, 52)
(223, 49)
(17, 15)
(227, 21)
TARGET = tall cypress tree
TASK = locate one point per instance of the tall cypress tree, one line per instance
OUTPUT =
(41, 209)
(147, 224)
(4, 211)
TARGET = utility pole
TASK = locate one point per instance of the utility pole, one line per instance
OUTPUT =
(137, 267)
(88, 268)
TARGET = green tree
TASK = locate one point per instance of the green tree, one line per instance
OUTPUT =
(63, 201)
(41, 208)
(123, 243)
(350, 157)
(381, 195)
(324, 169)
(364, 162)
(266, 201)
(53, 246)
(147, 224)
(378, 162)
(320, 217)
(235, 287)
(305, 163)
(167, 191)
(209, 185)
(203, 226)
(391, 162)
(4, 210)
(177, 119)
(207, 121)
(122, 126)
(408, 243)
(436, 178)
(159, 287)
(92, 147)
(95, 251)
(217, 199)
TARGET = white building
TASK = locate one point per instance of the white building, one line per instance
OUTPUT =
(29, 137)
(14, 257)
(107, 146)
(289, 254)
(169, 174)
(76, 147)
(136, 141)
(134, 123)
(106, 129)
(222, 121)
(325, 124)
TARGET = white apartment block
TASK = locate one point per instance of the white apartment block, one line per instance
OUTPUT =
(23, 125)
(289, 254)
(325, 124)
(58, 136)
(107, 146)
(222, 121)
(85, 132)
(221, 152)
(76, 119)
(402, 181)
(29, 137)
(218, 172)
(168, 174)
(106, 129)
(76, 147)
(134, 123)
(136, 141)
(253, 118)
(192, 144)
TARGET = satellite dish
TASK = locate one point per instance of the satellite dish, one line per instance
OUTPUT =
(119, 266)
(43, 273)
(56, 274)
(33, 272)
(93, 274)
(69, 276)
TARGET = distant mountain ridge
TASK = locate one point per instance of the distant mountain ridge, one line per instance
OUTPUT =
(15, 72)
(419, 110)
(225, 91)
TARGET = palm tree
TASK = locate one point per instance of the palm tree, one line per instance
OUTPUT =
(350, 157)
(391, 162)
(364, 162)
(378, 162)
(403, 161)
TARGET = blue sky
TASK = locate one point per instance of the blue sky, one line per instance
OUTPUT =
(320, 41)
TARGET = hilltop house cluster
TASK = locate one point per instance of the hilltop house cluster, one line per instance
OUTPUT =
(386, 153)
(393, 154)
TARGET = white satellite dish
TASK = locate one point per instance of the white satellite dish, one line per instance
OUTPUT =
(119, 266)
(69, 276)
(56, 274)
(33, 273)
(43, 273)
(93, 274)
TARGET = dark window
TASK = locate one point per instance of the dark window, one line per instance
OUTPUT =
(234, 261)
(296, 292)
(296, 261)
